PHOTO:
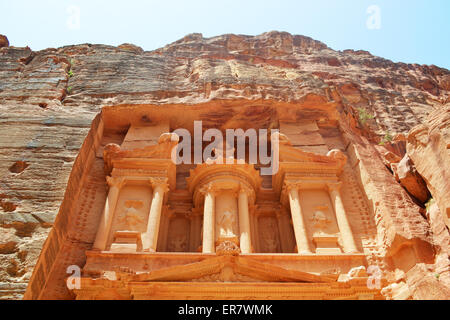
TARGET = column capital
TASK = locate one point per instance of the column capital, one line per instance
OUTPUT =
(334, 186)
(243, 189)
(208, 188)
(291, 185)
(160, 182)
(118, 182)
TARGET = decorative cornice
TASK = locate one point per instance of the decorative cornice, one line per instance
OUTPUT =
(139, 172)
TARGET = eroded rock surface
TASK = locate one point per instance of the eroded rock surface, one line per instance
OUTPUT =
(3, 41)
(407, 175)
(429, 148)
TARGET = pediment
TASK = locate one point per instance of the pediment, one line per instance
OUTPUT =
(230, 269)
(160, 151)
(289, 153)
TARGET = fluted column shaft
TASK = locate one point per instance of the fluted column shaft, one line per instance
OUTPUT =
(244, 223)
(208, 223)
(348, 241)
(154, 219)
(298, 221)
(101, 239)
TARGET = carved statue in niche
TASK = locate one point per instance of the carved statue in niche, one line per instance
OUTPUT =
(178, 234)
(178, 243)
(269, 236)
(131, 218)
(227, 225)
(271, 244)
(320, 220)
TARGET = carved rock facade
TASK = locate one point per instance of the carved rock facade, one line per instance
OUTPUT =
(141, 227)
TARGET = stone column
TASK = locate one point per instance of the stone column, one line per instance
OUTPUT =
(298, 221)
(254, 229)
(244, 222)
(348, 241)
(208, 222)
(165, 223)
(195, 232)
(151, 236)
(115, 184)
(284, 228)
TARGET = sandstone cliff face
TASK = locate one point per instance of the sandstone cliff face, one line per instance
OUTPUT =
(429, 148)
(48, 100)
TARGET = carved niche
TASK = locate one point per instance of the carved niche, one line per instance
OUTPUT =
(324, 236)
(178, 235)
(131, 214)
(227, 227)
(268, 234)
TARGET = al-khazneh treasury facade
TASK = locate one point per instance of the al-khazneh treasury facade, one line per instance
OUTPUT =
(141, 227)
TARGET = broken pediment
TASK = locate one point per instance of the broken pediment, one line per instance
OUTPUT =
(162, 150)
(230, 269)
(289, 153)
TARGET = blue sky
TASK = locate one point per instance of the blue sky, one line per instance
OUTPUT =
(400, 30)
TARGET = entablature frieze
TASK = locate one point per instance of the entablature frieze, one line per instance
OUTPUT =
(306, 184)
(309, 167)
(153, 182)
(151, 174)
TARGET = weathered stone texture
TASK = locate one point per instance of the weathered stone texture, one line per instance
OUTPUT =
(428, 146)
(3, 41)
(410, 179)
(48, 100)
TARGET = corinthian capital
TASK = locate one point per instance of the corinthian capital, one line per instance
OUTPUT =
(208, 188)
(291, 185)
(245, 189)
(117, 182)
(160, 183)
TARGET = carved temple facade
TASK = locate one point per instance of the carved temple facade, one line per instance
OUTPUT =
(152, 229)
